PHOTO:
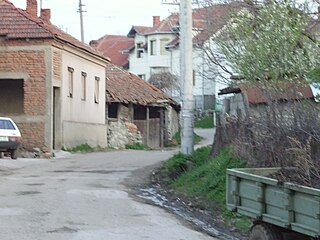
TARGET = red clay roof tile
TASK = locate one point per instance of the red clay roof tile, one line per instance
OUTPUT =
(114, 47)
(18, 24)
(125, 87)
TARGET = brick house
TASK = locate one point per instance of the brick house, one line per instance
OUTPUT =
(51, 84)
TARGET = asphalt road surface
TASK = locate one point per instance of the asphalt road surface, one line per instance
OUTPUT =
(84, 196)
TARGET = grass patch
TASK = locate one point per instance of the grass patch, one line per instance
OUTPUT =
(136, 146)
(176, 140)
(206, 122)
(80, 148)
(202, 177)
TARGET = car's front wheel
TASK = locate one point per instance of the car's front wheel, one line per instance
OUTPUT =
(13, 154)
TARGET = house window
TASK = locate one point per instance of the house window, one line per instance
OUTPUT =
(140, 50)
(153, 47)
(83, 85)
(70, 82)
(163, 43)
(142, 76)
(96, 89)
(113, 110)
(194, 77)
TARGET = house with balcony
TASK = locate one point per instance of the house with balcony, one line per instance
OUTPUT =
(156, 49)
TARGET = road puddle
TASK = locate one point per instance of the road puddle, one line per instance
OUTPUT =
(154, 196)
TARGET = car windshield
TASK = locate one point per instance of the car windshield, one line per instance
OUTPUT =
(6, 124)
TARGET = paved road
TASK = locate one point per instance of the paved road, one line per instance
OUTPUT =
(83, 197)
(206, 134)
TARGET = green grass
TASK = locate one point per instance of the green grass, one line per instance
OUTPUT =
(80, 148)
(208, 179)
(177, 138)
(202, 177)
(136, 146)
(206, 122)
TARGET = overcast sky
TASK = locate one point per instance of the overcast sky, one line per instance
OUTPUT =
(102, 16)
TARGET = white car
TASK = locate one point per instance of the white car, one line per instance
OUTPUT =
(10, 137)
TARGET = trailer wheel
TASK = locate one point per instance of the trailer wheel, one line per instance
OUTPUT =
(13, 154)
(264, 232)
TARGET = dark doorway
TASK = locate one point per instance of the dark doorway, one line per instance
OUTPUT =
(11, 96)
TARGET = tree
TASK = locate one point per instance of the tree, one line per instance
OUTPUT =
(272, 42)
(273, 47)
(165, 81)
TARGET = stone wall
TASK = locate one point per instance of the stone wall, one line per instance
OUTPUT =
(121, 133)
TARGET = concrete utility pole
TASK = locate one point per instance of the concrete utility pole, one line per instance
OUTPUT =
(81, 19)
(186, 73)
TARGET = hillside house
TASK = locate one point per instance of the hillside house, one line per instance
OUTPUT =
(51, 84)
(156, 49)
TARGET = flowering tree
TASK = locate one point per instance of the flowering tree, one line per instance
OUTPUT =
(271, 41)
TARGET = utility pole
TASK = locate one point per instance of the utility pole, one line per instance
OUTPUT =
(81, 19)
(186, 73)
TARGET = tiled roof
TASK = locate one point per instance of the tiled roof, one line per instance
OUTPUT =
(256, 96)
(138, 29)
(16, 23)
(114, 47)
(125, 87)
(215, 16)
(207, 20)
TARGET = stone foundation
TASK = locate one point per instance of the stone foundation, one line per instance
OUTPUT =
(121, 133)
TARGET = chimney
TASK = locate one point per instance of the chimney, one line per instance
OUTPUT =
(94, 43)
(45, 15)
(32, 7)
(156, 20)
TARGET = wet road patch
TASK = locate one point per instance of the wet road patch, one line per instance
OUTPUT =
(64, 229)
(34, 184)
(27, 193)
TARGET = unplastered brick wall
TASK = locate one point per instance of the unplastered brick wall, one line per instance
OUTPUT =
(57, 65)
(31, 63)
(32, 135)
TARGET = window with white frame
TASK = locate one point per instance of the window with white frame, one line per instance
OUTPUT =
(153, 47)
(83, 85)
(142, 76)
(163, 43)
(140, 50)
(96, 89)
(70, 82)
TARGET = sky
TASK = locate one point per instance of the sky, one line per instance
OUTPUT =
(102, 16)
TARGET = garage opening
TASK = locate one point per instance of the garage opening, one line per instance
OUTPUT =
(11, 96)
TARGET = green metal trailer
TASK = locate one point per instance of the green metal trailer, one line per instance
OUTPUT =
(280, 210)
